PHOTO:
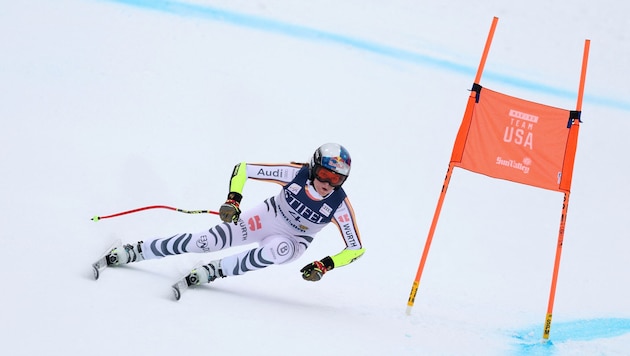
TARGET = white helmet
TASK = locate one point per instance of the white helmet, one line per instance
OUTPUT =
(335, 159)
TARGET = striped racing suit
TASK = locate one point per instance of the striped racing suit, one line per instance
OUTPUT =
(282, 226)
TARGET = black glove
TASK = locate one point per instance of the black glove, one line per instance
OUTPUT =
(229, 211)
(315, 270)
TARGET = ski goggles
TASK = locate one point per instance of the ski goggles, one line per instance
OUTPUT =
(326, 175)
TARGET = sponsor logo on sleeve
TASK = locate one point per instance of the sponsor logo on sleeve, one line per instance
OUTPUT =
(272, 173)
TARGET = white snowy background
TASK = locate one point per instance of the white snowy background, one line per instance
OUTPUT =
(107, 106)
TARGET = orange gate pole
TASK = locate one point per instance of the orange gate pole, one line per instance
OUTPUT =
(436, 215)
(567, 171)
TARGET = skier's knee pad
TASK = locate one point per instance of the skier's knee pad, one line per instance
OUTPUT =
(282, 249)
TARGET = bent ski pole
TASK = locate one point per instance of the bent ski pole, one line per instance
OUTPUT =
(97, 218)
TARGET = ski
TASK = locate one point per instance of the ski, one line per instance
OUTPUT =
(179, 287)
(101, 263)
(184, 283)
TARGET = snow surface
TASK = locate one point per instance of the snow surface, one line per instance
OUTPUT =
(112, 105)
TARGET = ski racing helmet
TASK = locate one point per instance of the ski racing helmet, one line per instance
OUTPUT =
(330, 163)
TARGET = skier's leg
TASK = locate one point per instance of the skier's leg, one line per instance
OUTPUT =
(273, 250)
(216, 238)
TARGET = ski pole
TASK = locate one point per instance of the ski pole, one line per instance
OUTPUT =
(97, 218)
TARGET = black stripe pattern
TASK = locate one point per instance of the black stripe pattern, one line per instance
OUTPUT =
(173, 245)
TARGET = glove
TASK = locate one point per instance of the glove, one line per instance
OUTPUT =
(313, 271)
(229, 211)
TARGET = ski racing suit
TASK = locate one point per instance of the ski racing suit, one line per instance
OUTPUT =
(283, 226)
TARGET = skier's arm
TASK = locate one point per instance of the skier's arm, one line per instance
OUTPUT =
(346, 222)
(230, 210)
(344, 257)
(278, 173)
(281, 173)
(315, 270)
(239, 176)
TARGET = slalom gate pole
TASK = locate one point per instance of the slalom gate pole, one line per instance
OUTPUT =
(573, 133)
(556, 268)
(97, 218)
(436, 215)
(427, 244)
(587, 46)
(486, 49)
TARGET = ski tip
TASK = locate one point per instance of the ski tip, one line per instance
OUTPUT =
(176, 292)
(96, 272)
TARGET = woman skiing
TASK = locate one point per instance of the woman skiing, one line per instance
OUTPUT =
(283, 226)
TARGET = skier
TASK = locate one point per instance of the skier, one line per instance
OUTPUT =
(283, 226)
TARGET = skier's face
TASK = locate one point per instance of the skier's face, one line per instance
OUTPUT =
(323, 188)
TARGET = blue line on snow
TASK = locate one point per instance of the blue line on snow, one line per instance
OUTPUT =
(530, 339)
(287, 29)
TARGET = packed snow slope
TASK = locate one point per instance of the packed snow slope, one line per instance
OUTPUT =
(112, 105)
